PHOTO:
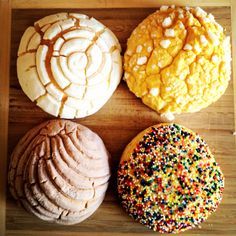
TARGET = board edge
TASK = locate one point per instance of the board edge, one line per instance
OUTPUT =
(5, 39)
(233, 40)
(61, 4)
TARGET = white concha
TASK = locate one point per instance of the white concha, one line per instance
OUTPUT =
(49, 104)
(28, 34)
(69, 57)
(40, 64)
(51, 19)
(79, 33)
(55, 92)
(34, 42)
(59, 171)
(78, 16)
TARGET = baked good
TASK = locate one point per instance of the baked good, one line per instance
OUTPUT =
(168, 179)
(59, 171)
(178, 60)
(69, 64)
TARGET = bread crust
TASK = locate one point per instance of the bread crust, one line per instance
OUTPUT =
(59, 171)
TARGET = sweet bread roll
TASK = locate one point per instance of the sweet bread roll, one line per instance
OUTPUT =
(178, 60)
(69, 64)
(59, 171)
(168, 179)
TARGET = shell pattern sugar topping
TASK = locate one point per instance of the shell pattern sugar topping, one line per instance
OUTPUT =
(182, 52)
(69, 64)
(59, 171)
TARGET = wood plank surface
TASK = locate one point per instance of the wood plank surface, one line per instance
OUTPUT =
(117, 123)
(5, 37)
(23, 4)
(233, 22)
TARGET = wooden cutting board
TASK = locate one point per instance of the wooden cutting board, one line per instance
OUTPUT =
(117, 122)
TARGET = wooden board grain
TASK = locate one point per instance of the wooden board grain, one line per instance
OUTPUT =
(117, 123)
(5, 36)
(23, 4)
(233, 34)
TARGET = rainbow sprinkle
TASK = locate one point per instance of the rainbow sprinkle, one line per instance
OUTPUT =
(171, 182)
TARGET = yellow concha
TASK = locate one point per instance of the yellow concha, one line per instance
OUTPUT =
(178, 60)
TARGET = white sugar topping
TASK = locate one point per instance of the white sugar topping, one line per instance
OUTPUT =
(149, 49)
(167, 22)
(154, 91)
(164, 8)
(139, 48)
(203, 40)
(159, 64)
(181, 25)
(165, 43)
(211, 17)
(213, 37)
(200, 12)
(170, 33)
(181, 16)
(168, 89)
(142, 60)
(214, 58)
(187, 47)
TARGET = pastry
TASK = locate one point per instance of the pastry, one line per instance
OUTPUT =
(178, 60)
(59, 171)
(168, 179)
(69, 64)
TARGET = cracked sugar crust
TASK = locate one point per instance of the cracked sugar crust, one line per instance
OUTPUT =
(69, 64)
(187, 60)
(59, 171)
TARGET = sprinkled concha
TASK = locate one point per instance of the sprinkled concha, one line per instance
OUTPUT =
(69, 64)
(168, 179)
(178, 60)
(59, 171)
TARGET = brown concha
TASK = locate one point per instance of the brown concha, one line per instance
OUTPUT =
(59, 171)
